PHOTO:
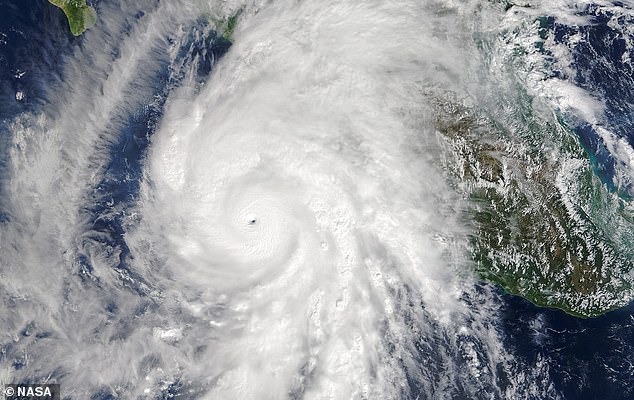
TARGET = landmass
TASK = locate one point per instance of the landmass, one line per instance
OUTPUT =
(544, 226)
(80, 15)
(226, 26)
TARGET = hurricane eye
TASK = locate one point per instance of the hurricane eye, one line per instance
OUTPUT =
(252, 220)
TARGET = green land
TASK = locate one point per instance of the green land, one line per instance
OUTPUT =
(227, 25)
(544, 226)
(80, 15)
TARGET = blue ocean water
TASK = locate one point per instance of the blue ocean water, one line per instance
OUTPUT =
(604, 66)
(33, 44)
(31, 59)
(587, 358)
(120, 185)
(35, 41)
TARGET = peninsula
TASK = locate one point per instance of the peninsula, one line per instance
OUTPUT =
(80, 15)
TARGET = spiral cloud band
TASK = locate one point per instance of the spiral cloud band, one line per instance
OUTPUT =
(295, 194)
(293, 235)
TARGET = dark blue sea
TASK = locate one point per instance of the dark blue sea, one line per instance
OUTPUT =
(586, 358)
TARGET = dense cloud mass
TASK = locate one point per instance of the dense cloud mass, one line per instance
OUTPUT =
(266, 221)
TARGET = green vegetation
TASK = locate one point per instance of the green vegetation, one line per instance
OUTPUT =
(226, 26)
(544, 226)
(80, 15)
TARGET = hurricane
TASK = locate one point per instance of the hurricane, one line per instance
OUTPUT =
(281, 199)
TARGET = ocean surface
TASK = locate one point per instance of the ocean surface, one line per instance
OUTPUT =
(272, 215)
